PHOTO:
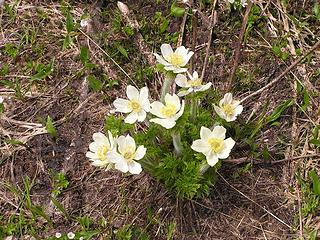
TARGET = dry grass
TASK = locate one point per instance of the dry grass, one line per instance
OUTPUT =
(263, 203)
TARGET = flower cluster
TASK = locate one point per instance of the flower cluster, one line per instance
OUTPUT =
(121, 152)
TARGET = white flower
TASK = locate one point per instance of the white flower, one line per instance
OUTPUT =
(174, 61)
(169, 112)
(84, 22)
(244, 3)
(1, 99)
(213, 144)
(99, 148)
(231, 1)
(81, 238)
(58, 235)
(127, 153)
(228, 108)
(137, 106)
(71, 235)
(193, 85)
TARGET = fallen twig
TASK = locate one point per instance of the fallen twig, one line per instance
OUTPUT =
(282, 74)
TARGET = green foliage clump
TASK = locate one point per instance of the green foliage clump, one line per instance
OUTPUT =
(181, 173)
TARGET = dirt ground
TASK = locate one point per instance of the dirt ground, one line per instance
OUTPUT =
(263, 202)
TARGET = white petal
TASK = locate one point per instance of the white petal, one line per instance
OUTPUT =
(134, 167)
(205, 133)
(122, 166)
(229, 142)
(161, 60)
(122, 105)
(166, 123)
(179, 70)
(141, 151)
(224, 154)
(142, 116)
(92, 156)
(230, 118)
(100, 138)
(219, 112)
(218, 132)
(182, 81)
(114, 157)
(111, 140)
(170, 67)
(187, 58)
(156, 107)
(212, 159)
(146, 105)
(184, 93)
(204, 87)
(132, 92)
(99, 163)
(238, 110)
(121, 144)
(195, 75)
(166, 51)
(227, 99)
(182, 51)
(200, 146)
(172, 99)
(129, 142)
(179, 114)
(144, 94)
(94, 147)
(131, 118)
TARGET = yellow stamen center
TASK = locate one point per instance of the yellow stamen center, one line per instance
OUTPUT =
(102, 152)
(176, 59)
(216, 144)
(169, 110)
(135, 105)
(129, 154)
(228, 109)
(196, 82)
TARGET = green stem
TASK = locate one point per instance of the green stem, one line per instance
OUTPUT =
(193, 108)
(204, 168)
(176, 138)
(166, 87)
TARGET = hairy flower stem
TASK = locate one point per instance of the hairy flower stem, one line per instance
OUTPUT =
(166, 87)
(193, 109)
(176, 138)
(204, 168)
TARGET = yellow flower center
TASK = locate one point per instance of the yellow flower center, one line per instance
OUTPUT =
(102, 152)
(129, 154)
(216, 144)
(135, 105)
(169, 110)
(196, 82)
(176, 59)
(228, 109)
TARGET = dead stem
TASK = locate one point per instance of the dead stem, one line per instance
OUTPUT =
(239, 44)
(213, 22)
